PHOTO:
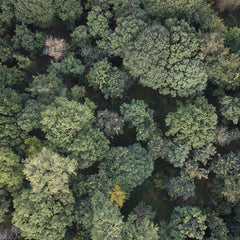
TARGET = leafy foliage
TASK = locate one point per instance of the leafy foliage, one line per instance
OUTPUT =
(230, 107)
(88, 147)
(107, 220)
(117, 196)
(180, 187)
(227, 168)
(232, 39)
(128, 167)
(186, 221)
(32, 43)
(36, 12)
(217, 226)
(46, 209)
(29, 118)
(34, 145)
(10, 106)
(111, 81)
(45, 179)
(67, 68)
(225, 136)
(10, 76)
(98, 22)
(162, 64)
(197, 12)
(78, 92)
(139, 116)
(46, 87)
(63, 120)
(68, 11)
(194, 123)
(41, 216)
(222, 67)
(126, 31)
(10, 170)
(139, 227)
(109, 122)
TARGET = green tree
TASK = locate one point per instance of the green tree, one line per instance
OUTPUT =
(186, 222)
(63, 120)
(139, 225)
(68, 68)
(174, 153)
(98, 22)
(128, 166)
(127, 29)
(36, 12)
(30, 116)
(232, 39)
(68, 11)
(80, 37)
(41, 216)
(225, 135)
(109, 122)
(229, 108)
(44, 211)
(222, 67)
(198, 13)
(10, 102)
(77, 93)
(217, 226)
(158, 146)
(194, 123)
(34, 145)
(10, 106)
(227, 168)
(5, 217)
(171, 62)
(88, 147)
(48, 173)
(180, 187)
(139, 116)
(10, 170)
(45, 88)
(9, 77)
(111, 81)
(25, 39)
(6, 16)
(107, 220)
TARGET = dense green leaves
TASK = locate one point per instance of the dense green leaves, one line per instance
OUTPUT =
(110, 123)
(107, 219)
(128, 166)
(195, 124)
(67, 68)
(98, 22)
(140, 116)
(10, 76)
(83, 141)
(10, 170)
(63, 120)
(37, 12)
(186, 222)
(227, 168)
(162, 64)
(88, 147)
(46, 87)
(45, 210)
(230, 107)
(112, 82)
(41, 217)
(32, 43)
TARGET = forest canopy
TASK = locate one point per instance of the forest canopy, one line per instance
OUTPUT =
(119, 119)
